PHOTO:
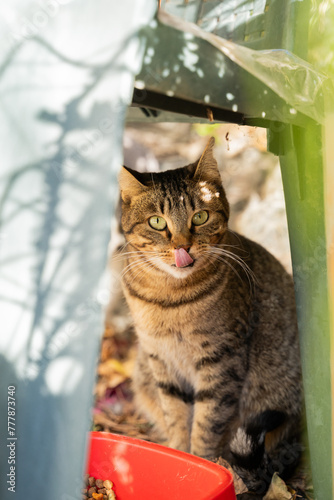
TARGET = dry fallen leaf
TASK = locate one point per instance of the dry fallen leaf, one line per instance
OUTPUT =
(278, 490)
(112, 365)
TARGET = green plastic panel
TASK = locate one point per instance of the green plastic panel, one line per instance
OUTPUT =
(181, 65)
(228, 81)
(257, 24)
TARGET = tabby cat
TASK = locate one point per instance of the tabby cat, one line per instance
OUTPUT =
(218, 367)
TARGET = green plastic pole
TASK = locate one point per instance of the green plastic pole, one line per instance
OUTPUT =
(329, 207)
(301, 159)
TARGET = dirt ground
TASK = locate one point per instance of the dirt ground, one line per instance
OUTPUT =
(251, 177)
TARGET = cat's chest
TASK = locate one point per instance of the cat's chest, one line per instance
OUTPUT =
(178, 323)
(176, 336)
(178, 352)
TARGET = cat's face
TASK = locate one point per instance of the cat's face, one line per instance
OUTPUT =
(174, 218)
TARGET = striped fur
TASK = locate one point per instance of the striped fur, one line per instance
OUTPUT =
(218, 368)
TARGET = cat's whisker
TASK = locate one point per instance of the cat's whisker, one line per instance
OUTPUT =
(236, 259)
(135, 259)
(119, 252)
(239, 259)
(146, 266)
(155, 260)
(141, 261)
(223, 245)
(130, 254)
(235, 234)
(128, 268)
(140, 270)
(116, 258)
(249, 272)
(149, 264)
(122, 247)
(120, 256)
(226, 245)
(212, 259)
(250, 275)
(220, 258)
(132, 265)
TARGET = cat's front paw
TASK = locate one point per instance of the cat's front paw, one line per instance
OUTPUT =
(209, 453)
(179, 445)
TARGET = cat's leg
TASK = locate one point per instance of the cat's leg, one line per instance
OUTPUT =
(175, 403)
(210, 423)
(161, 397)
(216, 406)
(270, 412)
(146, 395)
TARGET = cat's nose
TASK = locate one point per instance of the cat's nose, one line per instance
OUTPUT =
(186, 247)
(181, 241)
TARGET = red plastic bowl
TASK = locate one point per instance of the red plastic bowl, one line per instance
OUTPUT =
(147, 471)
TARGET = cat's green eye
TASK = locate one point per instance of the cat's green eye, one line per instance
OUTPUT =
(157, 223)
(200, 217)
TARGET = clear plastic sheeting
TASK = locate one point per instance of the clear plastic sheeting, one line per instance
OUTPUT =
(290, 77)
(224, 18)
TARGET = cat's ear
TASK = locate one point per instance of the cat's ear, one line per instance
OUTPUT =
(129, 185)
(207, 167)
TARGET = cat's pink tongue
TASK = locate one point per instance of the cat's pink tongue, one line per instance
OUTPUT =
(182, 258)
